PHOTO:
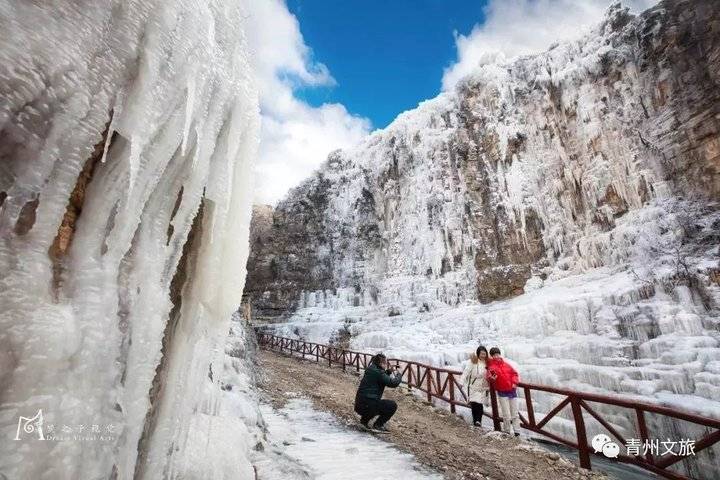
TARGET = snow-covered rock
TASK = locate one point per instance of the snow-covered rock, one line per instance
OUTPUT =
(126, 134)
(563, 206)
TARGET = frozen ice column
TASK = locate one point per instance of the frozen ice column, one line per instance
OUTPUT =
(127, 131)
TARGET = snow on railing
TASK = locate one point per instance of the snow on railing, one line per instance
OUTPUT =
(443, 384)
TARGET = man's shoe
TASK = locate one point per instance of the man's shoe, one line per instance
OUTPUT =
(365, 427)
(380, 429)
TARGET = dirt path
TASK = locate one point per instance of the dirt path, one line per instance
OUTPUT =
(437, 438)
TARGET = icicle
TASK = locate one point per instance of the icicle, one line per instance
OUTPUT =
(116, 112)
(189, 110)
(133, 167)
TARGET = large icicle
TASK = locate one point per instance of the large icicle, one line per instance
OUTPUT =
(114, 307)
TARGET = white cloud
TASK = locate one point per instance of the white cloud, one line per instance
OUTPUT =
(518, 27)
(295, 137)
(294, 144)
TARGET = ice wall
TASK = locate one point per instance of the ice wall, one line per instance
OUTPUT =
(127, 131)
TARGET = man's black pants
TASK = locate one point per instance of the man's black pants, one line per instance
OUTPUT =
(368, 408)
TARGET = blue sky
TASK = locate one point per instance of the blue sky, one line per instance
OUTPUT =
(385, 55)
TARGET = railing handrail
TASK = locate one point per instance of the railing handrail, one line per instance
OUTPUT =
(591, 397)
(428, 379)
(621, 402)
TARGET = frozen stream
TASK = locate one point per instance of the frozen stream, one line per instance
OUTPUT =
(308, 444)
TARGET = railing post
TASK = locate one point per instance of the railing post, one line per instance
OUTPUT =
(494, 407)
(529, 405)
(343, 360)
(583, 450)
(451, 382)
(428, 382)
(642, 427)
(329, 354)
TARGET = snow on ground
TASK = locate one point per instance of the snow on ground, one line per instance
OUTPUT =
(307, 444)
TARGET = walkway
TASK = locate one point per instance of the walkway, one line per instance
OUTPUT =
(436, 438)
(306, 444)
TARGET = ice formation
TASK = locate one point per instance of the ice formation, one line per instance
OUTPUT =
(563, 206)
(126, 135)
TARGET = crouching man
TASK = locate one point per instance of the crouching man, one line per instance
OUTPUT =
(368, 400)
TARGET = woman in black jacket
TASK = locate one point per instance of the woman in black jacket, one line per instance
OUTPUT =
(368, 400)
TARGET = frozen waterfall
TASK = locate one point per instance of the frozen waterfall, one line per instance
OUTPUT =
(127, 129)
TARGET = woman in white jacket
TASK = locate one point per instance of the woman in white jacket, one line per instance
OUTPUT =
(474, 381)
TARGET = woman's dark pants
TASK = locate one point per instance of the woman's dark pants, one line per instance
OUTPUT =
(368, 408)
(477, 412)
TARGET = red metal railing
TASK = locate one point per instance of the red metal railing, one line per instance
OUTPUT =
(443, 384)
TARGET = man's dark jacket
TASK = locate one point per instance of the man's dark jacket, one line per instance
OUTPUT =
(374, 382)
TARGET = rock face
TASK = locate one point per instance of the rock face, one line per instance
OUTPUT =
(522, 171)
(295, 270)
(563, 206)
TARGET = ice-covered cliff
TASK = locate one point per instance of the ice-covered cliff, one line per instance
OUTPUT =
(126, 134)
(563, 206)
